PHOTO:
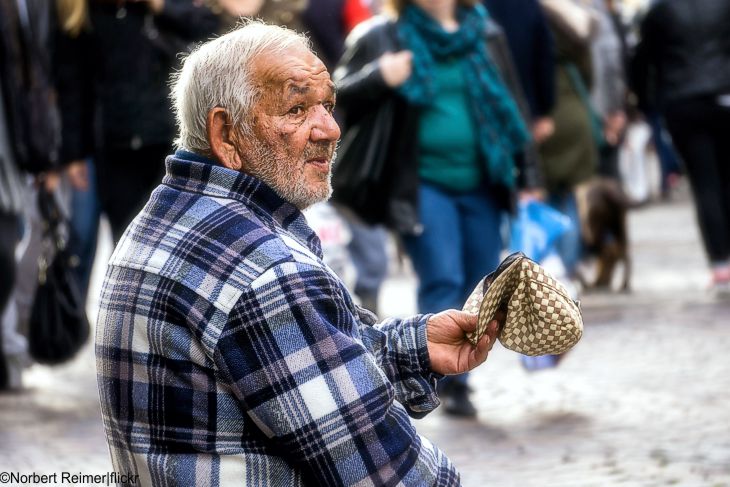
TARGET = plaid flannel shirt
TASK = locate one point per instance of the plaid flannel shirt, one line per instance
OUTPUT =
(228, 353)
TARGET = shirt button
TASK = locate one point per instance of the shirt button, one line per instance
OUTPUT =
(136, 142)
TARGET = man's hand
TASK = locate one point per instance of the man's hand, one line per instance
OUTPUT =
(448, 348)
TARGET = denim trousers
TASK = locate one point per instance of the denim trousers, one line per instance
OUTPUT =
(460, 244)
(84, 223)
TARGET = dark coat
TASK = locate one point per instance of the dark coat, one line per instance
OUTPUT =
(115, 76)
(532, 47)
(684, 51)
(362, 91)
(28, 87)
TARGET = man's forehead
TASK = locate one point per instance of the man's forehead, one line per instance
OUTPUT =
(292, 71)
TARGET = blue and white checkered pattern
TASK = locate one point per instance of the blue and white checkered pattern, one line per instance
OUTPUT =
(229, 354)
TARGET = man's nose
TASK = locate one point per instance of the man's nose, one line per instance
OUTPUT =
(325, 127)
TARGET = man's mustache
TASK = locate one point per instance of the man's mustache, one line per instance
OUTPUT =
(320, 150)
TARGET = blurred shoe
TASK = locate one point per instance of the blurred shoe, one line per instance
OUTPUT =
(720, 285)
(455, 399)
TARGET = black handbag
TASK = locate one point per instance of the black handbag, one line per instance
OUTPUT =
(58, 324)
(361, 180)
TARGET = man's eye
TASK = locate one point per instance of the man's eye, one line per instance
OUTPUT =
(297, 110)
(330, 107)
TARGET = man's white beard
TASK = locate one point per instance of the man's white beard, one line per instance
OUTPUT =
(287, 177)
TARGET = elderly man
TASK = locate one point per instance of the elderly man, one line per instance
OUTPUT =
(227, 352)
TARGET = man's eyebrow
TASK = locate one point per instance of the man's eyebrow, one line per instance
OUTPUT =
(298, 89)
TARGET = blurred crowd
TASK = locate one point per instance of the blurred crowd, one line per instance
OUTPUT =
(454, 115)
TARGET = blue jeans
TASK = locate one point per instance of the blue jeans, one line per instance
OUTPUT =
(460, 244)
(570, 245)
(84, 225)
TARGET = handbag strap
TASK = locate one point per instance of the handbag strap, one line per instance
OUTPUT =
(580, 87)
(53, 242)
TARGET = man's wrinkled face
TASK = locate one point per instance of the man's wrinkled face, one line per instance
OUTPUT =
(294, 134)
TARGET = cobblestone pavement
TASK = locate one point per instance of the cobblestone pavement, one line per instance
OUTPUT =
(643, 400)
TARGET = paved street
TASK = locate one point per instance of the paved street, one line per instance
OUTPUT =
(643, 400)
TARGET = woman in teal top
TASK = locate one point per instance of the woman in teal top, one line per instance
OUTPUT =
(457, 125)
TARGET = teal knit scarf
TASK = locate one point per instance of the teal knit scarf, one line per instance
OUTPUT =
(502, 132)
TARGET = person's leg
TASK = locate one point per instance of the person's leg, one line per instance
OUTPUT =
(720, 130)
(84, 227)
(665, 151)
(691, 128)
(481, 220)
(367, 249)
(8, 240)
(437, 260)
(436, 253)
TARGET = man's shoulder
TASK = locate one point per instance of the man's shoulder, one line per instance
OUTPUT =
(213, 246)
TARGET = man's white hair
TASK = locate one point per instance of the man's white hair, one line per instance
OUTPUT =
(218, 74)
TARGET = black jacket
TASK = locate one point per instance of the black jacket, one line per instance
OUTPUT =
(114, 77)
(684, 51)
(27, 32)
(361, 91)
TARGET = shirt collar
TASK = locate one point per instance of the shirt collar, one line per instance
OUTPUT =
(192, 172)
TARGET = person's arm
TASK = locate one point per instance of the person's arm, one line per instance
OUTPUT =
(371, 67)
(292, 353)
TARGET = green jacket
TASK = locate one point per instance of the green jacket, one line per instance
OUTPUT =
(570, 156)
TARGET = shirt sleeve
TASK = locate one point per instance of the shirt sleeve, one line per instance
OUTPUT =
(400, 349)
(293, 354)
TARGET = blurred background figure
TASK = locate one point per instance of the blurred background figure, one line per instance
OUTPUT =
(326, 22)
(570, 155)
(608, 93)
(424, 90)
(29, 154)
(683, 68)
(116, 94)
(533, 52)
(78, 181)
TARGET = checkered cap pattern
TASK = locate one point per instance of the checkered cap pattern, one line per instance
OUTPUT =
(541, 317)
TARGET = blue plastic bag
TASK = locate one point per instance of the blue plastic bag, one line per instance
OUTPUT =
(534, 232)
(539, 362)
(536, 228)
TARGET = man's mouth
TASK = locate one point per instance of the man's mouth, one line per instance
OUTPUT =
(321, 163)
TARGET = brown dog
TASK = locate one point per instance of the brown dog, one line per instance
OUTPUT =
(602, 209)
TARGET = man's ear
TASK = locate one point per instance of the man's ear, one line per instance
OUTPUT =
(222, 138)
